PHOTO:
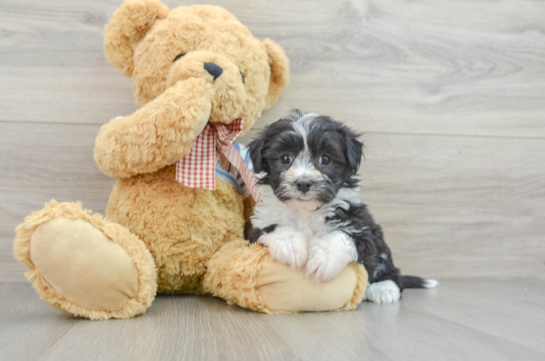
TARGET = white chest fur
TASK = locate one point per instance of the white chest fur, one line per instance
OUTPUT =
(303, 236)
(310, 222)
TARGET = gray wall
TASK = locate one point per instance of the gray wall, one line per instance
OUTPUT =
(450, 96)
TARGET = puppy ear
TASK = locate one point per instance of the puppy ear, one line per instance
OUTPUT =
(354, 150)
(256, 153)
(280, 71)
(295, 114)
(128, 25)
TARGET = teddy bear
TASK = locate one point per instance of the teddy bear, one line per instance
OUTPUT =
(196, 72)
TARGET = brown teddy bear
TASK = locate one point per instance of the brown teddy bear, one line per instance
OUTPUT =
(193, 69)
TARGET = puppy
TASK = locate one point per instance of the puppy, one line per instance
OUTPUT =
(311, 215)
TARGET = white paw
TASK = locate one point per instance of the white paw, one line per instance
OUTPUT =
(286, 246)
(328, 256)
(324, 265)
(383, 292)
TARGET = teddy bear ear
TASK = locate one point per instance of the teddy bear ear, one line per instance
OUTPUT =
(128, 25)
(280, 71)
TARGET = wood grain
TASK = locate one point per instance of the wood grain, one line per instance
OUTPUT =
(442, 67)
(450, 206)
(459, 206)
(451, 98)
(460, 320)
(450, 95)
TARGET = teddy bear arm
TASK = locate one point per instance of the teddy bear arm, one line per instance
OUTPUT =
(156, 135)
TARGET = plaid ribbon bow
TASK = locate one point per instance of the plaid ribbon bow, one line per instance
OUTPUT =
(197, 169)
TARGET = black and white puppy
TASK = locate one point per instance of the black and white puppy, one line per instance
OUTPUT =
(311, 215)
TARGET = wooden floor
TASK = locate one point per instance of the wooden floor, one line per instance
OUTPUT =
(450, 96)
(461, 320)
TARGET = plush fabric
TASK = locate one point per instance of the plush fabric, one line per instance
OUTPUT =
(287, 290)
(279, 72)
(247, 276)
(137, 299)
(155, 135)
(160, 235)
(232, 275)
(83, 265)
(133, 20)
(182, 227)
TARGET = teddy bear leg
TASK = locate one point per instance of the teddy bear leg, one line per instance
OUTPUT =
(248, 276)
(85, 265)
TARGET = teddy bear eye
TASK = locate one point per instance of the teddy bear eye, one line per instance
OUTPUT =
(242, 76)
(178, 57)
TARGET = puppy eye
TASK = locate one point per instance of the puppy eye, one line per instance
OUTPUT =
(178, 57)
(325, 160)
(286, 159)
(242, 76)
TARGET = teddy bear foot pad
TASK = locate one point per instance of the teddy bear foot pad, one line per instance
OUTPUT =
(85, 265)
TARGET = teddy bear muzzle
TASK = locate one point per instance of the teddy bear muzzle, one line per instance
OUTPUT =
(229, 93)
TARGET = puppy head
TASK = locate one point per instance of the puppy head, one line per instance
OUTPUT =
(307, 159)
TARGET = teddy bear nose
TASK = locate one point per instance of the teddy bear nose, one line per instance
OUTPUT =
(213, 69)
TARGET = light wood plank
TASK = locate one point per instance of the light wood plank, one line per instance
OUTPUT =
(460, 320)
(442, 67)
(450, 206)
(451, 96)
(459, 206)
(10, 270)
(40, 162)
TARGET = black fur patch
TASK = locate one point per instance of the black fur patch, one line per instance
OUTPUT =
(325, 136)
(373, 252)
(253, 234)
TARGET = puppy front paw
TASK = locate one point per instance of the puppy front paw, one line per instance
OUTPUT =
(328, 256)
(323, 264)
(286, 246)
(383, 292)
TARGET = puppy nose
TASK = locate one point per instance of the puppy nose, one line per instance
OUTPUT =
(213, 69)
(304, 185)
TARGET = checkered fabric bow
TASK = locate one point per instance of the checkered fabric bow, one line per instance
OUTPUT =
(197, 169)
